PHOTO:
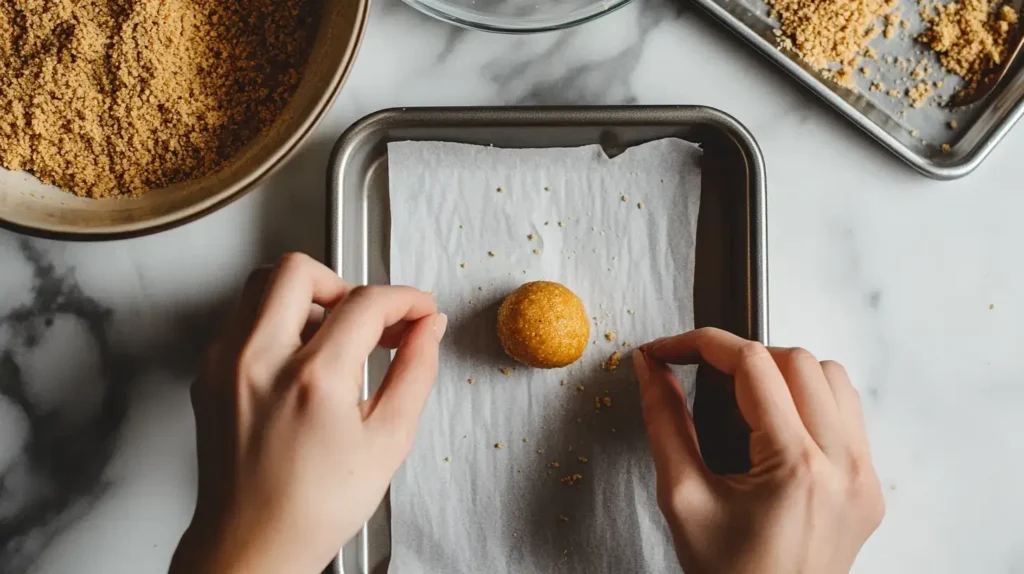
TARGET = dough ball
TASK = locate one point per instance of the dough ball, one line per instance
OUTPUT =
(544, 325)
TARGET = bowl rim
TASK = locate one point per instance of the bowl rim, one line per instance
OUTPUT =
(199, 209)
(431, 10)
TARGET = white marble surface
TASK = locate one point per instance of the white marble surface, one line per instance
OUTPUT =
(871, 264)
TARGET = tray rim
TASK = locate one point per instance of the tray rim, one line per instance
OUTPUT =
(559, 116)
(957, 169)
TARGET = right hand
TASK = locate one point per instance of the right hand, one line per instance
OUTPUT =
(811, 498)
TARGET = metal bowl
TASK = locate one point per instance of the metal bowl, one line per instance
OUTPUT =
(517, 16)
(29, 206)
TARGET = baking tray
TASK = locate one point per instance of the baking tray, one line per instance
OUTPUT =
(730, 287)
(914, 135)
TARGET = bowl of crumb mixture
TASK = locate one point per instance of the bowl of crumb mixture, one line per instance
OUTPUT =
(125, 117)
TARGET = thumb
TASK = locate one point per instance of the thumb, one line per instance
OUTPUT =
(394, 410)
(670, 430)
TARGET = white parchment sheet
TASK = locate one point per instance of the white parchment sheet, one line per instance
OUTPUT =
(620, 233)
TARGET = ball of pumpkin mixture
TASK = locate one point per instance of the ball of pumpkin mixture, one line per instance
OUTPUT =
(544, 325)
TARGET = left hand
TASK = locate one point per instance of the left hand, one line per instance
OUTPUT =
(291, 461)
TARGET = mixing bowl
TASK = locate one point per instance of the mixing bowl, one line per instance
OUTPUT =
(29, 206)
(517, 16)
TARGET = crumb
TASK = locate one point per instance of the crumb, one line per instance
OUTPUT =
(471, 381)
(546, 222)
(970, 36)
(609, 335)
(579, 388)
(547, 188)
(563, 518)
(462, 227)
(895, 93)
(913, 133)
(625, 198)
(991, 306)
(499, 445)
(531, 237)
(562, 382)
(877, 86)
(561, 224)
(866, 72)
(640, 205)
(945, 148)
(892, 21)
(447, 459)
(953, 125)
(572, 479)
(597, 403)
(629, 311)
(540, 451)
(505, 371)
(536, 251)
(582, 459)
(553, 464)
(491, 254)
(606, 401)
(870, 53)
(919, 94)
(612, 362)
(627, 343)
(462, 265)
(501, 189)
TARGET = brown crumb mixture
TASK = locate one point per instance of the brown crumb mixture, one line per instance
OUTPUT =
(920, 93)
(572, 479)
(612, 362)
(970, 36)
(112, 98)
(830, 36)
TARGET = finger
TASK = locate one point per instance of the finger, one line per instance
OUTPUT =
(314, 320)
(297, 281)
(848, 403)
(396, 406)
(812, 396)
(670, 429)
(240, 320)
(355, 327)
(761, 392)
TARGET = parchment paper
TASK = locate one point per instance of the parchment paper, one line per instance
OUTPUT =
(620, 233)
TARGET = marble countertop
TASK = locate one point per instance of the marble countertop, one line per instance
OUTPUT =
(912, 283)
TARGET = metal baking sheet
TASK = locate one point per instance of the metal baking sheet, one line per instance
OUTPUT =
(730, 287)
(915, 135)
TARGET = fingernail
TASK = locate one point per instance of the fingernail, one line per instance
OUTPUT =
(440, 326)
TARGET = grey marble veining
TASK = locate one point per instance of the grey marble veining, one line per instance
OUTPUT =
(915, 285)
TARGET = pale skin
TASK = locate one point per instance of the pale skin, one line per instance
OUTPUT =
(292, 461)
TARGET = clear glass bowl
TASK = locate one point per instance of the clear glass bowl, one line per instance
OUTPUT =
(517, 16)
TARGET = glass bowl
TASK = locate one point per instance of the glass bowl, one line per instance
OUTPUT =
(517, 16)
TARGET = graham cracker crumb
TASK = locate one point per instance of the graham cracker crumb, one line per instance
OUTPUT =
(562, 382)
(572, 479)
(612, 362)
(945, 148)
(582, 459)
(553, 464)
(919, 94)
(447, 459)
(462, 265)
(609, 335)
(561, 224)
(109, 98)
(892, 21)
(471, 381)
(640, 205)
(505, 371)
(624, 198)
(531, 237)
(501, 189)
(970, 36)
(579, 388)
(895, 93)
(953, 125)
(877, 86)
(499, 445)
(536, 251)
(491, 254)
(866, 72)
(991, 306)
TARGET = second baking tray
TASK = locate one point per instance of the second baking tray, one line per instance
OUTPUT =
(914, 135)
(730, 287)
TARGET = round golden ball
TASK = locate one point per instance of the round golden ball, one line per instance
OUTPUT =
(543, 324)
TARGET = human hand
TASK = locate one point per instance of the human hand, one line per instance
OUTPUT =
(291, 461)
(811, 498)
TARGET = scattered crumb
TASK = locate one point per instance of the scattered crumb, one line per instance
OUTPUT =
(606, 401)
(877, 86)
(579, 388)
(629, 311)
(536, 251)
(914, 133)
(953, 125)
(991, 306)
(462, 227)
(540, 451)
(547, 188)
(945, 148)
(561, 224)
(546, 222)
(625, 198)
(572, 479)
(895, 93)
(866, 72)
(892, 21)
(491, 254)
(609, 335)
(531, 237)
(553, 464)
(919, 94)
(612, 362)
(501, 189)
(462, 265)
(447, 459)
(582, 459)
(562, 382)
(640, 205)
(505, 371)
(471, 381)
(499, 445)
(563, 518)
(870, 53)
(627, 343)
